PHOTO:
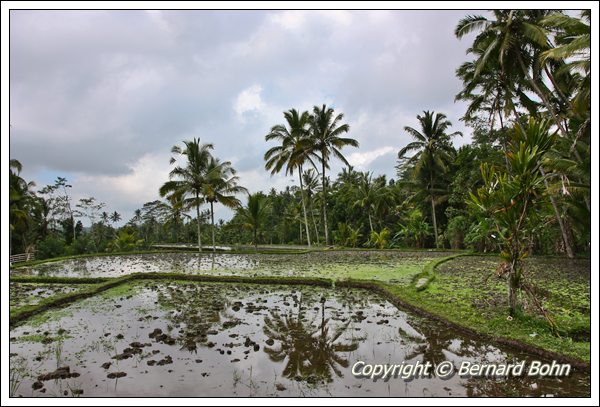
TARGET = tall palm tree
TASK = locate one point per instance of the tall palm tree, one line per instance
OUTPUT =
(188, 179)
(221, 186)
(293, 152)
(311, 184)
(326, 129)
(433, 148)
(254, 214)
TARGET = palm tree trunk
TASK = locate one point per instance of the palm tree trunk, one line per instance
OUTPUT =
(198, 223)
(370, 221)
(255, 240)
(212, 222)
(561, 224)
(303, 205)
(312, 214)
(324, 203)
(435, 231)
(434, 218)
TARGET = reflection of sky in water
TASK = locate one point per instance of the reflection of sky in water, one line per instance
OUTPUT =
(249, 264)
(252, 341)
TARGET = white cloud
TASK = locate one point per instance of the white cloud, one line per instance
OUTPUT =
(248, 101)
(128, 191)
(363, 159)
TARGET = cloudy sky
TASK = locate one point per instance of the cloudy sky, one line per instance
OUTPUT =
(99, 97)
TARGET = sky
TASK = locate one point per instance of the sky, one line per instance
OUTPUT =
(100, 97)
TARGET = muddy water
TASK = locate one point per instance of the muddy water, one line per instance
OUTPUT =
(322, 264)
(192, 339)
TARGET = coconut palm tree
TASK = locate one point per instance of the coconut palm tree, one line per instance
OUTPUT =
(325, 131)
(115, 217)
(293, 152)
(370, 195)
(188, 178)
(513, 40)
(311, 184)
(433, 148)
(221, 186)
(254, 214)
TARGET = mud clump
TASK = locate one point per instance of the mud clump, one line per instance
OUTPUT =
(106, 365)
(128, 353)
(60, 373)
(166, 361)
(37, 385)
(116, 375)
(159, 336)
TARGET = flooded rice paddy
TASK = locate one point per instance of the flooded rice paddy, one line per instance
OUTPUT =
(206, 339)
(394, 267)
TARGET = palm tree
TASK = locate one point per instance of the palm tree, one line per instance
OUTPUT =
(432, 149)
(115, 217)
(326, 129)
(254, 214)
(293, 151)
(311, 184)
(370, 195)
(513, 39)
(188, 180)
(176, 214)
(20, 197)
(221, 186)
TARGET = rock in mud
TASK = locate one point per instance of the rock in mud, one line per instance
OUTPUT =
(270, 342)
(37, 385)
(106, 365)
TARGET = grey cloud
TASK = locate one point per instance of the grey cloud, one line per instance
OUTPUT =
(109, 87)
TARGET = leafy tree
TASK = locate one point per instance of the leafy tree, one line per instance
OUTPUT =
(380, 239)
(511, 199)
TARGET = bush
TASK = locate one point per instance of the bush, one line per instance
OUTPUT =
(51, 246)
(456, 230)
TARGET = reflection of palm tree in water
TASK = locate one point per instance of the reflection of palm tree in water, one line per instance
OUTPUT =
(430, 349)
(195, 310)
(312, 353)
(432, 344)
